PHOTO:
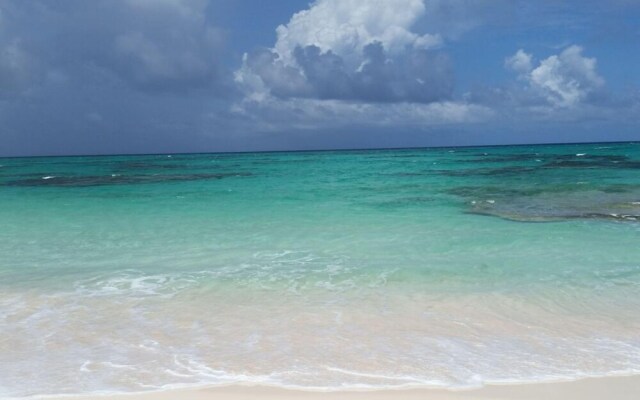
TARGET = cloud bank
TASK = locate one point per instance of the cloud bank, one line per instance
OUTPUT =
(151, 45)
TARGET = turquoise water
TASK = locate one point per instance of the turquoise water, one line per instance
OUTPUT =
(319, 270)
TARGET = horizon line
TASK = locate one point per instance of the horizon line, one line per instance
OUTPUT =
(323, 149)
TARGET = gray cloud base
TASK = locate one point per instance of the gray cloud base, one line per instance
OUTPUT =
(156, 46)
(416, 76)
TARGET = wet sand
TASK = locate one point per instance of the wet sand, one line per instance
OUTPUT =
(618, 388)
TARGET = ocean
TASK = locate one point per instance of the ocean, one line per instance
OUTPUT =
(329, 270)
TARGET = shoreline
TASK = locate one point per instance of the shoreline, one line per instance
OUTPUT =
(619, 388)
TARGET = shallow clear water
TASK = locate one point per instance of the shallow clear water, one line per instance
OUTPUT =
(325, 270)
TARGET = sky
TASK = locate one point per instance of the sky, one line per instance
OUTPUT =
(169, 76)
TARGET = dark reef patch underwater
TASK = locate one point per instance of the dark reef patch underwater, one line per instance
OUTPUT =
(542, 187)
(517, 183)
(545, 207)
(115, 179)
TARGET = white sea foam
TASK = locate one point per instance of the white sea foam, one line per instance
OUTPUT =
(213, 339)
(137, 284)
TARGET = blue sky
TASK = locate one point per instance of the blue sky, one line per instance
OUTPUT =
(147, 76)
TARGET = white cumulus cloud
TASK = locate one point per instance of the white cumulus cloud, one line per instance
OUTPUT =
(346, 26)
(564, 80)
(351, 50)
(520, 62)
